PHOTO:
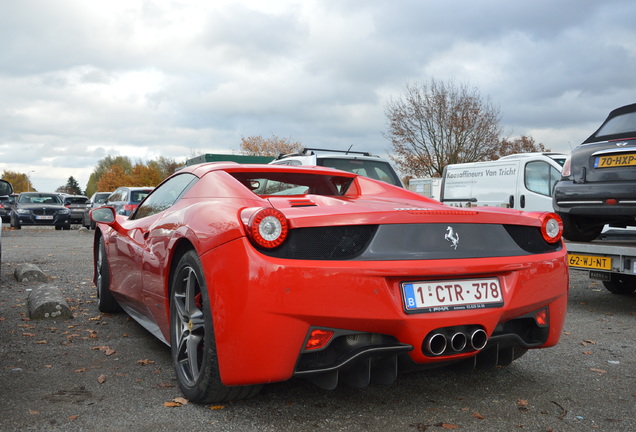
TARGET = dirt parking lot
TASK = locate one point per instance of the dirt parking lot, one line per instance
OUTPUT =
(104, 372)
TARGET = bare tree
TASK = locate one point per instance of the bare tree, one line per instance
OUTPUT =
(435, 124)
(522, 144)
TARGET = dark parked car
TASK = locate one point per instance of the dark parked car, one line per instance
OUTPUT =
(98, 199)
(598, 183)
(77, 205)
(36, 208)
(5, 191)
(362, 163)
(7, 198)
(126, 199)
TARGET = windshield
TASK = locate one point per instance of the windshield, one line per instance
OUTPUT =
(39, 198)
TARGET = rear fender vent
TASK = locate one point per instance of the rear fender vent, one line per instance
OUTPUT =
(302, 203)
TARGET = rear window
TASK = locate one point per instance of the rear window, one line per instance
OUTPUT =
(377, 170)
(138, 196)
(275, 183)
(5, 188)
(79, 200)
(624, 123)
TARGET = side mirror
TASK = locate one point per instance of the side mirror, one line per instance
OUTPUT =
(103, 215)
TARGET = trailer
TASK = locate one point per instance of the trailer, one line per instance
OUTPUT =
(610, 259)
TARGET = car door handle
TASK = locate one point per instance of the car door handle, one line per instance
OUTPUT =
(522, 201)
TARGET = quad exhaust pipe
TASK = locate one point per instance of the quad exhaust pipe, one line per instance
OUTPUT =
(452, 341)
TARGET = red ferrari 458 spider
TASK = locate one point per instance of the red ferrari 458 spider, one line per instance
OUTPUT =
(258, 273)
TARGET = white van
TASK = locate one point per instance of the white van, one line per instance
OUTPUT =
(523, 181)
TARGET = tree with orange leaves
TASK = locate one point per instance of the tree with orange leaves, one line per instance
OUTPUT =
(259, 146)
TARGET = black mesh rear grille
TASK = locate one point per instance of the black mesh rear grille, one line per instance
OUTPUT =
(530, 239)
(324, 243)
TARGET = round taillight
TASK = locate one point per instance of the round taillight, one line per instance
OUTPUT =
(268, 228)
(551, 227)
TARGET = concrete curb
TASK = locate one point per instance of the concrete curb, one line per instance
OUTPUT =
(29, 272)
(46, 301)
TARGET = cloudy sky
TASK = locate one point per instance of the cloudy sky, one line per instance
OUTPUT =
(80, 80)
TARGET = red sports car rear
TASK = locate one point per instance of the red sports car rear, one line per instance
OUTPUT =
(255, 274)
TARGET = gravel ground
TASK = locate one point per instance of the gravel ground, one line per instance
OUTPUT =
(104, 372)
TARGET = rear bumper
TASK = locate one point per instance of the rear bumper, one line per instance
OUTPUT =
(263, 307)
(590, 199)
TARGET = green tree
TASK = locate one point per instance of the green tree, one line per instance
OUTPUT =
(71, 187)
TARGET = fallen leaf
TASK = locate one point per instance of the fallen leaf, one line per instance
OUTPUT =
(145, 362)
(105, 349)
(448, 426)
(32, 412)
(28, 334)
(601, 371)
(588, 342)
(96, 318)
(478, 416)
(587, 352)
(182, 401)
(101, 379)
(567, 333)
(81, 370)
(172, 404)
(217, 407)
(73, 417)
(522, 405)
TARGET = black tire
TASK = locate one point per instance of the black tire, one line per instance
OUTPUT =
(15, 223)
(192, 339)
(621, 284)
(58, 227)
(577, 228)
(105, 300)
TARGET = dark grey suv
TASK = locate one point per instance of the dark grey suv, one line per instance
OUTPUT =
(598, 183)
